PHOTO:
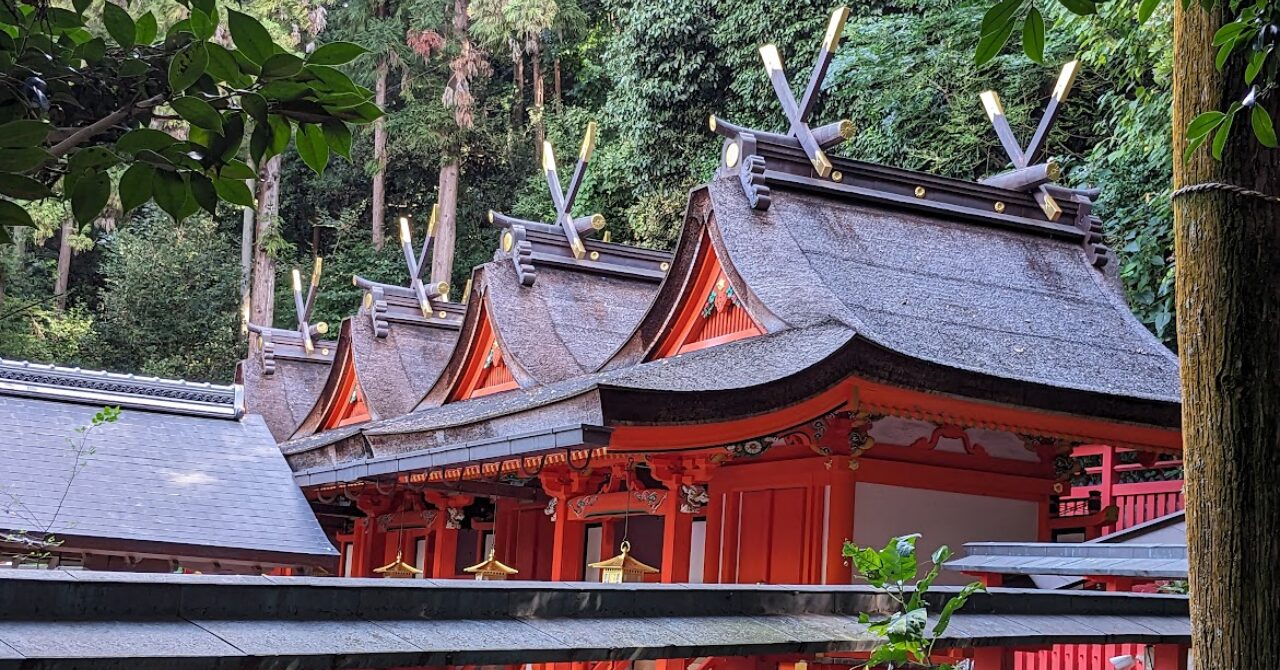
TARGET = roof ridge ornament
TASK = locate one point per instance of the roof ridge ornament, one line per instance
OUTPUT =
(514, 239)
(740, 145)
(1038, 178)
(430, 298)
(1028, 174)
(302, 308)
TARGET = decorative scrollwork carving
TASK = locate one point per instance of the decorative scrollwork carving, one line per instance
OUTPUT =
(693, 497)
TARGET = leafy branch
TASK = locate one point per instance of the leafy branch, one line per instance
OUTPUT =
(908, 639)
(39, 538)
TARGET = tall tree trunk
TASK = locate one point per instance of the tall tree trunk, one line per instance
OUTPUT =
(63, 281)
(446, 224)
(262, 292)
(380, 158)
(559, 103)
(517, 105)
(539, 95)
(246, 250)
(1228, 300)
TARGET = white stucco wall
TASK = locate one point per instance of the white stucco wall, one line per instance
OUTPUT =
(882, 512)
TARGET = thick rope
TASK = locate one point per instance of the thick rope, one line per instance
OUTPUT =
(1227, 188)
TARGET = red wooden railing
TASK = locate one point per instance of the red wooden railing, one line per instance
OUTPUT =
(1076, 657)
(1141, 491)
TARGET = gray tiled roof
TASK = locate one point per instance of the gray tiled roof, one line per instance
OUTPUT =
(180, 622)
(170, 484)
(1090, 559)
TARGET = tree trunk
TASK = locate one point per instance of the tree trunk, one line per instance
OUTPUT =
(1226, 246)
(557, 84)
(63, 281)
(517, 104)
(262, 293)
(246, 250)
(539, 96)
(380, 158)
(446, 225)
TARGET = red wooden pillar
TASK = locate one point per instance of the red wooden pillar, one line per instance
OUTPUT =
(568, 546)
(1108, 483)
(677, 540)
(445, 554)
(992, 658)
(1166, 657)
(715, 524)
(838, 501)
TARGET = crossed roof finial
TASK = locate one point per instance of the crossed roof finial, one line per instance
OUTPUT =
(740, 151)
(416, 264)
(1028, 174)
(513, 239)
(303, 307)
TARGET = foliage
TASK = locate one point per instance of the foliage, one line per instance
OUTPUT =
(84, 88)
(908, 637)
(35, 331)
(1251, 35)
(170, 307)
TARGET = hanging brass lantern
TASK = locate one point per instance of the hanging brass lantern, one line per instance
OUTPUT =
(491, 569)
(398, 569)
(623, 568)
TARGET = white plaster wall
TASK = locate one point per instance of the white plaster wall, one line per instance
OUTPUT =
(882, 512)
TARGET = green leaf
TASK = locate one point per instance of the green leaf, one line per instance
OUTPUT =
(338, 136)
(1192, 146)
(1229, 32)
(120, 25)
(135, 186)
(25, 159)
(170, 192)
(234, 191)
(146, 29)
(63, 19)
(23, 133)
(255, 106)
(202, 24)
(991, 44)
(336, 53)
(198, 112)
(92, 51)
(1000, 16)
(144, 138)
(187, 66)
(1224, 130)
(1146, 9)
(279, 66)
(1204, 123)
(312, 147)
(205, 195)
(957, 601)
(1033, 35)
(1224, 52)
(1262, 126)
(22, 187)
(332, 79)
(1256, 62)
(90, 196)
(92, 159)
(1080, 7)
(280, 134)
(81, 5)
(250, 37)
(236, 169)
(13, 214)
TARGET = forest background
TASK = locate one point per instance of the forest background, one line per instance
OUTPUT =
(471, 87)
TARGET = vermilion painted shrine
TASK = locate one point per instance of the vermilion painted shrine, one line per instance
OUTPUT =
(835, 350)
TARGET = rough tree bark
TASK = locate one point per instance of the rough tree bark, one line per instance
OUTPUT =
(246, 249)
(446, 225)
(63, 280)
(517, 104)
(380, 158)
(558, 92)
(539, 96)
(1228, 299)
(262, 293)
